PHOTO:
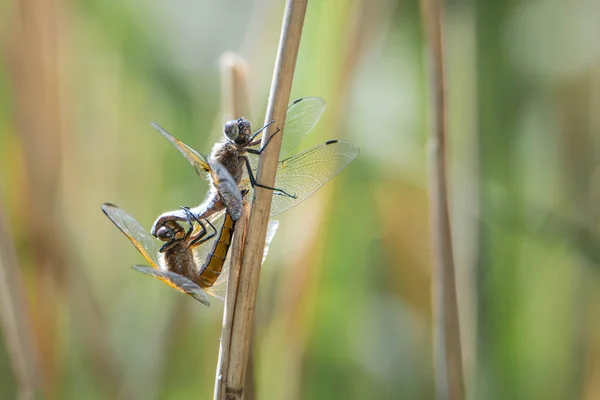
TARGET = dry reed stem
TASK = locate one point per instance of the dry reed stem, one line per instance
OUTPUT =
(237, 248)
(281, 86)
(35, 53)
(447, 348)
(234, 103)
(15, 318)
(234, 89)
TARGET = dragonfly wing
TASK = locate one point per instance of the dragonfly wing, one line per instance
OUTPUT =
(227, 189)
(197, 160)
(304, 173)
(302, 116)
(139, 237)
(219, 289)
(177, 282)
(271, 231)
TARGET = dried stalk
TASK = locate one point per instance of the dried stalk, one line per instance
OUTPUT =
(234, 104)
(243, 307)
(232, 286)
(14, 317)
(33, 56)
(234, 98)
(447, 348)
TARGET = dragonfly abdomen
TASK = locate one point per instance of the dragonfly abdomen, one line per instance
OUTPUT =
(216, 258)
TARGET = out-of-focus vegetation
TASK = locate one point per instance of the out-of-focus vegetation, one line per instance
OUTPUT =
(344, 303)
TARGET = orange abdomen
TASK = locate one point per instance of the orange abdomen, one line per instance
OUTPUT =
(216, 259)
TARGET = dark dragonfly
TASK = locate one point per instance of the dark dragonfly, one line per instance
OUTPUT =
(191, 266)
(187, 261)
(298, 175)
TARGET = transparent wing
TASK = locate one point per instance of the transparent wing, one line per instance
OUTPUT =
(219, 289)
(271, 231)
(302, 116)
(141, 239)
(176, 281)
(197, 160)
(304, 173)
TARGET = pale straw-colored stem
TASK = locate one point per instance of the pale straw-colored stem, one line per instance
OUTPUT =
(234, 87)
(234, 103)
(15, 318)
(447, 349)
(243, 311)
(237, 248)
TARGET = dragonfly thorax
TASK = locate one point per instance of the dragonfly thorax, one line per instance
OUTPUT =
(231, 156)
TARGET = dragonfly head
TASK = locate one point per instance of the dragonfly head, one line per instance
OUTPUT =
(238, 131)
(169, 230)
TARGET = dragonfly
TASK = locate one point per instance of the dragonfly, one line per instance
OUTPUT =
(189, 264)
(183, 262)
(298, 176)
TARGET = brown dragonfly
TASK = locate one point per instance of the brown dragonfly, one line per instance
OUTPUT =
(298, 175)
(186, 262)
(191, 266)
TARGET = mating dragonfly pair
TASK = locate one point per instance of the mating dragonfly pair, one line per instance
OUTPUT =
(194, 260)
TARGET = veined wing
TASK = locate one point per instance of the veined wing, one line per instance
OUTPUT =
(176, 281)
(219, 289)
(139, 237)
(271, 231)
(194, 157)
(302, 116)
(304, 173)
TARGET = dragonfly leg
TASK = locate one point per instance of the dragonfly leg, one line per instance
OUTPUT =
(254, 183)
(166, 246)
(260, 130)
(258, 152)
(201, 237)
(163, 248)
(197, 241)
(193, 216)
(190, 216)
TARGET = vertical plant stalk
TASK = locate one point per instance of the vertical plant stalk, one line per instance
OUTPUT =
(234, 90)
(34, 54)
(447, 348)
(234, 103)
(237, 248)
(15, 318)
(243, 307)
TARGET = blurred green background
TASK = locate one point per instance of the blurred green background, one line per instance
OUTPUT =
(344, 309)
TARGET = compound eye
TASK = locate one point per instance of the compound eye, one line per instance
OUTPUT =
(231, 130)
(165, 234)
